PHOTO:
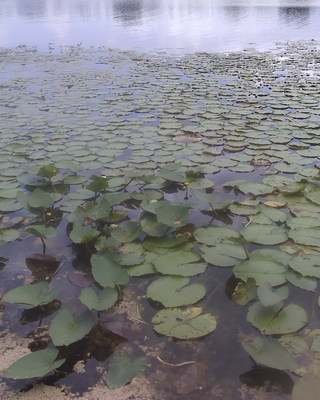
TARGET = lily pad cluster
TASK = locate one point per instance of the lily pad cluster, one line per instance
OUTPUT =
(218, 171)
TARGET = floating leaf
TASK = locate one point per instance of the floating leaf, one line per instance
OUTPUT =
(276, 320)
(40, 199)
(244, 292)
(153, 244)
(226, 254)
(41, 361)
(152, 227)
(182, 263)
(122, 369)
(172, 215)
(254, 188)
(83, 233)
(306, 265)
(48, 171)
(100, 302)
(175, 291)
(303, 282)
(33, 295)
(8, 235)
(214, 234)
(272, 355)
(107, 272)
(264, 234)
(126, 232)
(307, 236)
(184, 324)
(67, 328)
(42, 231)
(269, 296)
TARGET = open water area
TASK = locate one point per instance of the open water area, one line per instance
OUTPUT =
(213, 112)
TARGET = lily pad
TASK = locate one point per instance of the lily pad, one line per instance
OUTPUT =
(42, 362)
(67, 328)
(276, 320)
(107, 272)
(175, 291)
(264, 234)
(182, 263)
(33, 295)
(184, 324)
(122, 369)
(100, 302)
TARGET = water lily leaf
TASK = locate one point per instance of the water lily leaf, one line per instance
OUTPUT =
(303, 222)
(262, 270)
(42, 362)
(144, 269)
(244, 292)
(214, 234)
(48, 171)
(226, 254)
(97, 184)
(83, 233)
(264, 234)
(40, 199)
(182, 263)
(33, 295)
(272, 213)
(269, 296)
(306, 265)
(8, 235)
(151, 226)
(312, 192)
(126, 232)
(172, 215)
(307, 387)
(307, 236)
(302, 282)
(153, 244)
(67, 328)
(184, 324)
(173, 291)
(122, 369)
(241, 209)
(74, 179)
(254, 188)
(115, 198)
(173, 176)
(107, 272)
(272, 355)
(100, 302)
(276, 320)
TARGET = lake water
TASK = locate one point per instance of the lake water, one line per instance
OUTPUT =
(179, 25)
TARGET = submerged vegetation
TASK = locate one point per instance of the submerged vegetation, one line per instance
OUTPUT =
(211, 183)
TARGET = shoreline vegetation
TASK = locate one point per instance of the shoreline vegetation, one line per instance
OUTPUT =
(172, 204)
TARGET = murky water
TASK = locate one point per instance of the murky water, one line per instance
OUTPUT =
(188, 25)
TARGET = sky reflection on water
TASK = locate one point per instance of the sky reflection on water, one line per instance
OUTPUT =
(192, 25)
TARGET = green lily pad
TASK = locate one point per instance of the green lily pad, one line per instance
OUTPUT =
(42, 362)
(269, 354)
(67, 328)
(225, 254)
(107, 272)
(173, 291)
(184, 324)
(122, 369)
(276, 320)
(182, 263)
(83, 233)
(126, 232)
(40, 199)
(306, 265)
(306, 236)
(8, 235)
(302, 282)
(214, 234)
(101, 301)
(269, 296)
(172, 215)
(37, 294)
(264, 234)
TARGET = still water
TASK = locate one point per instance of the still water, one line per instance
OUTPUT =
(178, 25)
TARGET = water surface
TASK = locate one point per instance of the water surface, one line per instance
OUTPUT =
(188, 25)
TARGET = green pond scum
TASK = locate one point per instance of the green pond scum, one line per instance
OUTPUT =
(167, 211)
